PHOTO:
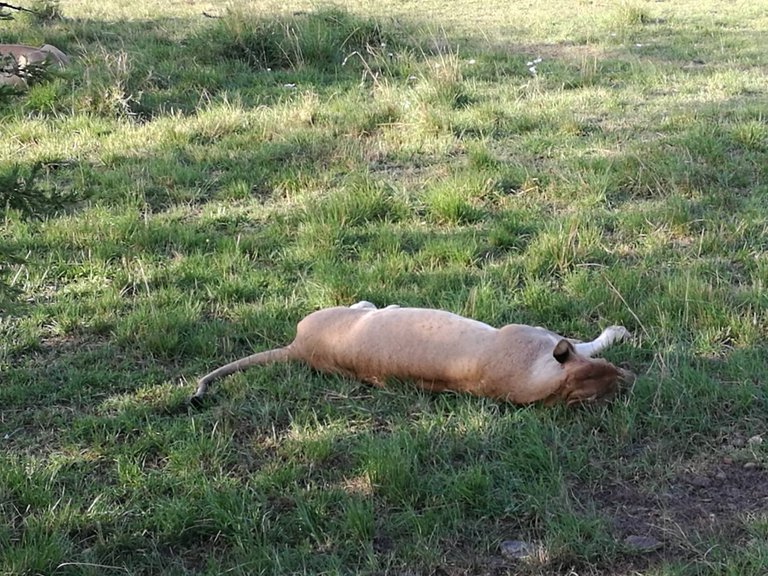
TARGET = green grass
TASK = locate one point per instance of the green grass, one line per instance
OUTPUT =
(204, 183)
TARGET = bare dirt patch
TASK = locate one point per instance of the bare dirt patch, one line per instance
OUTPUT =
(703, 503)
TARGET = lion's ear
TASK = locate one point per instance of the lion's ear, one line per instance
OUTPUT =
(562, 351)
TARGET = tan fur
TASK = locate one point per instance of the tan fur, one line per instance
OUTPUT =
(439, 351)
(22, 58)
(12, 80)
(30, 55)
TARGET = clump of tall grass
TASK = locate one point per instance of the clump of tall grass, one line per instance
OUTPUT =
(110, 87)
(322, 40)
(46, 10)
(631, 14)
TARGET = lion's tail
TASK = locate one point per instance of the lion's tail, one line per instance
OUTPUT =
(266, 357)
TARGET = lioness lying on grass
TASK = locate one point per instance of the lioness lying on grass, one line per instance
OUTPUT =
(439, 351)
(18, 60)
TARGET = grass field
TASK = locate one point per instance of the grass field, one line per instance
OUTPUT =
(201, 183)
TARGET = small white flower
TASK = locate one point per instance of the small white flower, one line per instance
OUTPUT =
(472, 61)
(529, 63)
(537, 61)
(638, 45)
(383, 44)
(532, 70)
(390, 54)
(290, 86)
(269, 69)
(411, 78)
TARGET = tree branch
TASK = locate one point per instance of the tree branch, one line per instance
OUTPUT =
(7, 16)
(19, 8)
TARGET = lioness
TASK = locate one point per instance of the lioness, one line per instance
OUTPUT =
(31, 55)
(17, 60)
(440, 351)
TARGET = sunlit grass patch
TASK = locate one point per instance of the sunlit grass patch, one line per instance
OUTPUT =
(455, 200)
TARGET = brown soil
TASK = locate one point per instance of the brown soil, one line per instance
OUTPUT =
(708, 502)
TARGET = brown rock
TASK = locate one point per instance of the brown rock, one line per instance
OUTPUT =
(517, 549)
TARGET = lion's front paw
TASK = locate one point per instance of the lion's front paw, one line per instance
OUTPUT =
(618, 333)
